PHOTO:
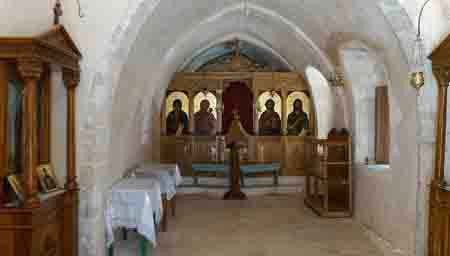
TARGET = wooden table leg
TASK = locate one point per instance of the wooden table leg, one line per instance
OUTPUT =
(164, 216)
(124, 233)
(173, 205)
(142, 247)
(111, 250)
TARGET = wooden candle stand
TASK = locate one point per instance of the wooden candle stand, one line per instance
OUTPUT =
(236, 139)
(235, 192)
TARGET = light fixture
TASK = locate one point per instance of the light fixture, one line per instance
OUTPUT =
(244, 14)
(236, 63)
(57, 12)
(246, 10)
(336, 79)
(417, 75)
(80, 12)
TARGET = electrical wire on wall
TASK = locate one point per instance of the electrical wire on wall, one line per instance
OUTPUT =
(80, 12)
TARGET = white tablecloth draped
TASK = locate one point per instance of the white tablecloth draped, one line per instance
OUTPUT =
(134, 203)
(167, 174)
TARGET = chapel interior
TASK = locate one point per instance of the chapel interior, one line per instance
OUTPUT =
(239, 127)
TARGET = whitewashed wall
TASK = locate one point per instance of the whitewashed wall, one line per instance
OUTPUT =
(59, 126)
(363, 70)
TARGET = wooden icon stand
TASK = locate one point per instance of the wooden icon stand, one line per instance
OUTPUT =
(236, 139)
(235, 192)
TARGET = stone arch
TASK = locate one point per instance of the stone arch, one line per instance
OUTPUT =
(357, 98)
(323, 100)
(96, 133)
(344, 98)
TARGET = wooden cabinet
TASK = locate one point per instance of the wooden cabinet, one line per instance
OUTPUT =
(44, 224)
(439, 215)
(49, 229)
(329, 176)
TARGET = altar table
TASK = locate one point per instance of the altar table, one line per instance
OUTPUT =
(169, 178)
(134, 204)
(167, 174)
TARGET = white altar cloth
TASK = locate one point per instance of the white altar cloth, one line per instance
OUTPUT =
(136, 204)
(167, 174)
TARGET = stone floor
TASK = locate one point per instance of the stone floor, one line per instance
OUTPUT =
(261, 226)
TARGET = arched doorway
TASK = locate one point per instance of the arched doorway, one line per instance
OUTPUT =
(238, 97)
(158, 70)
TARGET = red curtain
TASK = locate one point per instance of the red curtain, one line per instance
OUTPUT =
(238, 96)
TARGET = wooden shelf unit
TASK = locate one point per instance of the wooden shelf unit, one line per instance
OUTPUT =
(41, 224)
(329, 176)
(439, 203)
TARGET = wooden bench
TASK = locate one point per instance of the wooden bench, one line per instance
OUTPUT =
(247, 168)
(201, 168)
(256, 168)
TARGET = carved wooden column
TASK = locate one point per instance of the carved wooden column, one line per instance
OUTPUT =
(46, 116)
(439, 216)
(30, 70)
(71, 80)
(3, 125)
(3, 119)
(191, 111)
(442, 76)
(219, 110)
(163, 116)
(284, 111)
(255, 111)
(70, 235)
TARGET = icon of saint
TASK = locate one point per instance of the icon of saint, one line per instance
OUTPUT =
(297, 120)
(270, 121)
(48, 180)
(204, 120)
(177, 119)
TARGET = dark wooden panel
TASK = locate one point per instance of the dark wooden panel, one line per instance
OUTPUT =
(6, 242)
(50, 229)
(3, 126)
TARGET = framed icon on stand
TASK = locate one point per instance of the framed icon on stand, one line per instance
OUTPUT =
(47, 178)
(16, 186)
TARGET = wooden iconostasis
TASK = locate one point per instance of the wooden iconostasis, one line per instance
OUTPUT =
(246, 93)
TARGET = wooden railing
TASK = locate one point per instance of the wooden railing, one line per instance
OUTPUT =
(291, 151)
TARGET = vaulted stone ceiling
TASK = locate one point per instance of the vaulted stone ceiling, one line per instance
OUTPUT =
(300, 33)
(224, 51)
